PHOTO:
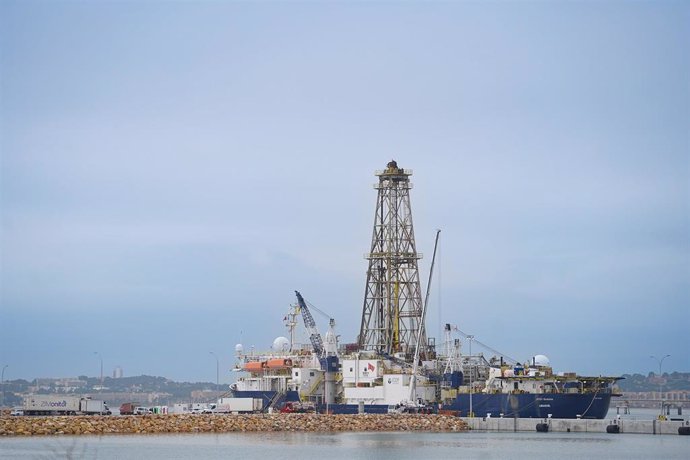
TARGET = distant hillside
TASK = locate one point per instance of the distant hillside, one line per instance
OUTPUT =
(139, 388)
(674, 381)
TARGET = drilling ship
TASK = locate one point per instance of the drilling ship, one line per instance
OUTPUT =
(393, 366)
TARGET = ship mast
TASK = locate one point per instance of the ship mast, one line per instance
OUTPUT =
(392, 320)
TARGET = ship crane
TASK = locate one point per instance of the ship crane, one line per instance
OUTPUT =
(507, 358)
(413, 377)
(310, 324)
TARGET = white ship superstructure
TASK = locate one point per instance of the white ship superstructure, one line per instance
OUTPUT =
(382, 382)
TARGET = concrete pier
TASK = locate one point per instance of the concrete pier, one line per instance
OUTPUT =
(575, 425)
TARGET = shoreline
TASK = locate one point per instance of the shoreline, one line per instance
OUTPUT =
(224, 423)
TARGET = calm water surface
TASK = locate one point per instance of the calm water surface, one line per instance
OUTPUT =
(351, 446)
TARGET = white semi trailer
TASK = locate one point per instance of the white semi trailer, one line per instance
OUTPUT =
(63, 405)
(238, 405)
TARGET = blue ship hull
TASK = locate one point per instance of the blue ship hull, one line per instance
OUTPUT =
(587, 405)
(351, 408)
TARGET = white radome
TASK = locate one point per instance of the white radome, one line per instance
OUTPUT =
(281, 344)
(239, 348)
(541, 360)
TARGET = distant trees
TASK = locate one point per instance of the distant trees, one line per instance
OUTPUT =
(674, 381)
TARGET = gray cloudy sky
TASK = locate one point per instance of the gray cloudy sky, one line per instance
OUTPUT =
(173, 171)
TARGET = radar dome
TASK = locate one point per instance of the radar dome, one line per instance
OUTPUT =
(239, 348)
(281, 344)
(541, 360)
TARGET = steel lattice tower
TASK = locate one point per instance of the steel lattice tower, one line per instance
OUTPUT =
(392, 313)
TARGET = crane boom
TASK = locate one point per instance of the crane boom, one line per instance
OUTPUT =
(310, 324)
(413, 378)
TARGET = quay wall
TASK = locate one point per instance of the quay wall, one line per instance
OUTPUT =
(222, 423)
(575, 425)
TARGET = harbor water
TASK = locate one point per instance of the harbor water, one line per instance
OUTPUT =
(350, 446)
(353, 446)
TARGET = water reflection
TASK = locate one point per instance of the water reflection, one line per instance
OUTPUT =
(348, 446)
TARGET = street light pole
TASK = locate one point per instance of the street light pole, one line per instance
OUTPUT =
(101, 359)
(2, 383)
(217, 365)
(661, 396)
(470, 338)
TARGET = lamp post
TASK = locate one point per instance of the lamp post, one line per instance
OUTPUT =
(470, 338)
(217, 365)
(2, 383)
(661, 397)
(101, 359)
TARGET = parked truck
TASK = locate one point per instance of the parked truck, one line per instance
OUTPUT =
(94, 406)
(63, 405)
(128, 408)
(237, 405)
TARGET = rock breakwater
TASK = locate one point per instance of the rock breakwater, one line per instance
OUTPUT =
(217, 423)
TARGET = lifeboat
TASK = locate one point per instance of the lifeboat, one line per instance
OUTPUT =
(279, 363)
(254, 366)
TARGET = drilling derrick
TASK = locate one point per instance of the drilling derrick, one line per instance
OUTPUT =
(392, 312)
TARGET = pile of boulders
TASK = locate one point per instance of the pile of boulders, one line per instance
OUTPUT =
(220, 423)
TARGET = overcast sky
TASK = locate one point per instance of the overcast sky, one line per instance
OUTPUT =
(173, 171)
